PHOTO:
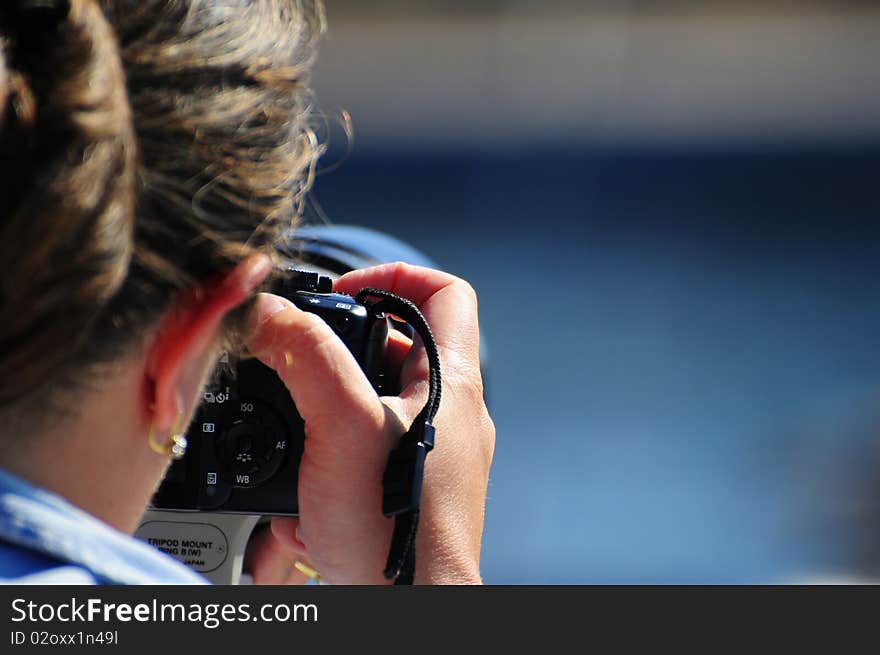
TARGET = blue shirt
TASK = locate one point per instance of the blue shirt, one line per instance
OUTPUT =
(46, 540)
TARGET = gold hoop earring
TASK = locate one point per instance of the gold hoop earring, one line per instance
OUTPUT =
(308, 571)
(175, 445)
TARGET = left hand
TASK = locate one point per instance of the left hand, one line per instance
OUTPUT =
(270, 561)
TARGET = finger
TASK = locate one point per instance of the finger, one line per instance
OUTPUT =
(449, 305)
(406, 376)
(413, 384)
(349, 435)
(415, 283)
(325, 382)
(398, 347)
(448, 302)
(286, 529)
(270, 560)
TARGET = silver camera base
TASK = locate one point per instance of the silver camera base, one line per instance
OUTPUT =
(211, 544)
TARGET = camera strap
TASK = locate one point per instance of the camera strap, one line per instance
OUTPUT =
(402, 483)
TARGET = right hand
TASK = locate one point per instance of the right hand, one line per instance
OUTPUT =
(350, 432)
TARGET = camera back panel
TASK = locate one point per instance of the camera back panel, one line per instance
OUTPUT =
(247, 438)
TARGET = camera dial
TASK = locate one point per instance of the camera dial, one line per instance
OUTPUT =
(254, 445)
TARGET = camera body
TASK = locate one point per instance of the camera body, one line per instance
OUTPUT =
(246, 440)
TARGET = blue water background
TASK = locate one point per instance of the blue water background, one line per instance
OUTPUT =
(683, 351)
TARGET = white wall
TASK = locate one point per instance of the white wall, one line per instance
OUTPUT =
(606, 79)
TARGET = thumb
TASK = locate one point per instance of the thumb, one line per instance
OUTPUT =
(349, 436)
(331, 392)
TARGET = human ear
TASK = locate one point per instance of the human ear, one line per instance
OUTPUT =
(176, 359)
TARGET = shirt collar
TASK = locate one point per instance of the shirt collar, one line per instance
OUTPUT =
(38, 520)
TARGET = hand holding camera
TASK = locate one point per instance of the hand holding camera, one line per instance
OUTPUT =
(301, 430)
(350, 432)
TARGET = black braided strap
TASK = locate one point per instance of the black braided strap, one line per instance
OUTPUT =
(402, 483)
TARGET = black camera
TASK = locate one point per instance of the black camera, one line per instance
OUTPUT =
(246, 440)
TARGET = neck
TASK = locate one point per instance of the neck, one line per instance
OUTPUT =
(99, 459)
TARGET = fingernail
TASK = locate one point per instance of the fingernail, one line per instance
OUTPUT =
(265, 307)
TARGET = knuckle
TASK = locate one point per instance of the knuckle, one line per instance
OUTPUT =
(466, 290)
(398, 268)
(306, 332)
(488, 441)
(314, 330)
(464, 367)
(397, 271)
(472, 385)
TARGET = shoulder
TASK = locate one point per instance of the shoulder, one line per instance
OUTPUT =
(46, 540)
(21, 566)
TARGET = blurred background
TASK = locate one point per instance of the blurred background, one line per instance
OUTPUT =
(670, 211)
